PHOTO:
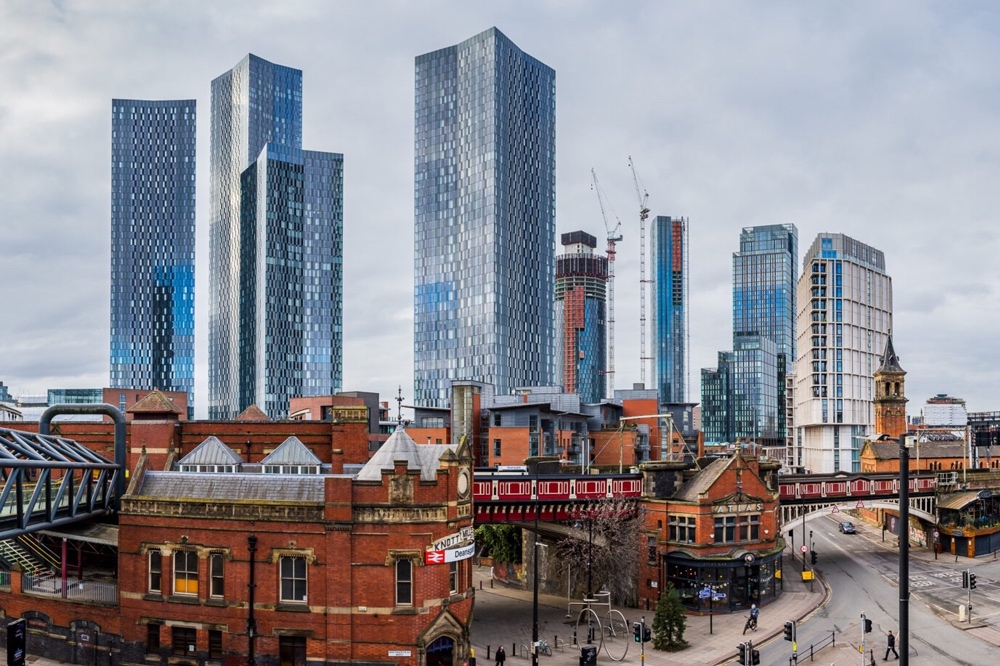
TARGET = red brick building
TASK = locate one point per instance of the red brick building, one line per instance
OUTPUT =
(333, 541)
(713, 527)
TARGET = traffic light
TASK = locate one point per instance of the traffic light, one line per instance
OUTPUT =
(972, 581)
(789, 631)
(814, 556)
(965, 580)
(868, 626)
(647, 634)
(755, 657)
(741, 658)
(636, 631)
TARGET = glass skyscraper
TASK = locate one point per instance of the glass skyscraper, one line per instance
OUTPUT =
(152, 244)
(668, 263)
(276, 275)
(484, 218)
(581, 299)
(844, 321)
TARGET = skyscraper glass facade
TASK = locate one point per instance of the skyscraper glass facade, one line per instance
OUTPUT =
(581, 298)
(754, 381)
(484, 218)
(152, 244)
(668, 262)
(765, 273)
(275, 325)
(844, 320)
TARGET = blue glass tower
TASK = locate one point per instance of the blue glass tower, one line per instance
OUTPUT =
(152, 244)
(484, 218)
(668, 262)
(581, 299)
(276, 278)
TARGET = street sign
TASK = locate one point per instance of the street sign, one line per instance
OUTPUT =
(835, 509)
(718, 595)
(451, 555)
(705, 594)
(444, 543)
(860, 505)
(804, 549)
(936, 534)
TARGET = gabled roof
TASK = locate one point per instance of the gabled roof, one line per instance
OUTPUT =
(400, 446)
(889, 450)
(233, 487)
(252, 413)
(703, 480)
(291, 452)
(211, 452)
(890, 362)
(155, 402)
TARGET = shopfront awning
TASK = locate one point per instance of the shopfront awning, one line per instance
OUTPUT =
(958, 501)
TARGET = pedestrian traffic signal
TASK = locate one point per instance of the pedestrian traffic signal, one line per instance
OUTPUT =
(636, 631)
(965, 580)
(972, 581)
(814, 556)
(647, 634)
(789, 631)
(741, 658)
(868, 626)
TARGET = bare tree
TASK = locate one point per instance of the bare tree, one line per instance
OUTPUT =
(609, 560)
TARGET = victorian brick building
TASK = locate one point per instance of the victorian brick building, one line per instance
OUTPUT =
(266, 542)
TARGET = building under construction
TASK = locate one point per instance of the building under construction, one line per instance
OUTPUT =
(581, 301)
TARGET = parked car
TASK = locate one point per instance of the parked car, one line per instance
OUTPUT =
(847, 527)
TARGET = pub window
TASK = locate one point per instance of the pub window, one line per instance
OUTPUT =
(185, 572)
(155, 571)
(404, 583)
(152, 638)
(214, 644)
(216, 563)
(725, 529)
(293, 579)
(184, 640)
(681, 528)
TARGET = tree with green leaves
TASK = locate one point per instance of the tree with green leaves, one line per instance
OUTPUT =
(669, 622)
(500, 542)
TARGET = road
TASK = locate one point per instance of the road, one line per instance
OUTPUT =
(863, 572)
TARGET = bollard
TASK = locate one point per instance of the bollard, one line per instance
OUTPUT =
(487, 653)
(491, 583)
(480, 585)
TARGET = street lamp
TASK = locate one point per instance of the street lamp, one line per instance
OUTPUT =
(906, 442)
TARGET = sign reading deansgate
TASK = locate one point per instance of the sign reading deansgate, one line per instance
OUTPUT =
(451, 555)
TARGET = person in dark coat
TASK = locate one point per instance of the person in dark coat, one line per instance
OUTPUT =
(502, 656)
(890, 645)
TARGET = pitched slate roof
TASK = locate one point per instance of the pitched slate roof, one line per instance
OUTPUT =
(211, 452)
(233, 487)
(890, 362)
(703, 480)
(291, 452)
(889, 450)
(400, 446)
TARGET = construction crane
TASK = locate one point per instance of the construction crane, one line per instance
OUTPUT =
(614, 235)
(642, 196)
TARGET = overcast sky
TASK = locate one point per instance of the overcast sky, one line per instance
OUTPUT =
(875, 119)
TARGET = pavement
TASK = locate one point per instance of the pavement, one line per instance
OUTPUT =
(504, 615)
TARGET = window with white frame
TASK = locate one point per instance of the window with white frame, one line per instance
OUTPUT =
(186, 572)
(681, 528)
(217, 579)
(155, 571)
(293, 579)
(404, 582)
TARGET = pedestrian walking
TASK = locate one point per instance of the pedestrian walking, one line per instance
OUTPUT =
(890, 645)
(501, 656)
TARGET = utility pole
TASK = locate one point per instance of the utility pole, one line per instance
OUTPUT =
(905, 442)
(534, 596)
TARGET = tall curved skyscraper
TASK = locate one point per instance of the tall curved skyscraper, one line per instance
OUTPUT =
(484, 218)
(152, 244)
(581, 304)
(276, 275)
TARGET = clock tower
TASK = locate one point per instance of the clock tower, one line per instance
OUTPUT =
(890, 395)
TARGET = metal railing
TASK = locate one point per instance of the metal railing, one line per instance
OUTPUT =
(75, 589)
(830, 640)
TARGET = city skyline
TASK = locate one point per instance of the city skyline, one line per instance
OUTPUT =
(827, 140)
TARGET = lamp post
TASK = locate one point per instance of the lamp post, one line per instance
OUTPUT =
(534, 595)
(905, 442)
(251, 620)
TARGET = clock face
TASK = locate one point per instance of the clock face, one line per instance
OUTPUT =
(463, 483)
